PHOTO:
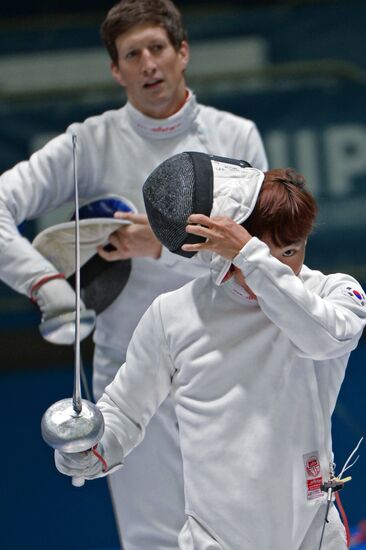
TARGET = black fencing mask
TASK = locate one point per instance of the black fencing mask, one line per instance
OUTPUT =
(101, 282)
(180, 186)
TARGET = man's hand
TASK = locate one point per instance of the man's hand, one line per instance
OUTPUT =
(132, 241)
(222, 234)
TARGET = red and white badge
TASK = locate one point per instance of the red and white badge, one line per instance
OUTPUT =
(313, 475)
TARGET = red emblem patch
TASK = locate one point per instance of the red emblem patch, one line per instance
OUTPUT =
(313, 475)
(312, 466)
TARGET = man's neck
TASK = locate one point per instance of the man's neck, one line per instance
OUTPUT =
(161, 112)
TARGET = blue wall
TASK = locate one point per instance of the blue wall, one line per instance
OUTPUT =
(315, 123)
(39, 507)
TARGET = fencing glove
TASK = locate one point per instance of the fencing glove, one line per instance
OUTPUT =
(103, 459)
(56, 299)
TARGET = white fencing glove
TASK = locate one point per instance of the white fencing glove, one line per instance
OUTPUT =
(100, 461)
(54, 296)
(86, 464)
(56, 299)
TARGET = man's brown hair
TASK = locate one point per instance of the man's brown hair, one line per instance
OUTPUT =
(285, 209)
(128, 13)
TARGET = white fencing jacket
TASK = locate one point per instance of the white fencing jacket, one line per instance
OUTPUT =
(254, 383)
(116, 152)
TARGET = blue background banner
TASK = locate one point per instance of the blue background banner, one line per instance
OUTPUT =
(308, 100)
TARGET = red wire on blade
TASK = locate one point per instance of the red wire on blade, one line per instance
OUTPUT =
(344, 518)
(99, 457)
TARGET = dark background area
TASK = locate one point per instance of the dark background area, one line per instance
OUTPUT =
(307, 99)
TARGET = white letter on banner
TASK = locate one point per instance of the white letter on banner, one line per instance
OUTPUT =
(345, 152)
(276, 144)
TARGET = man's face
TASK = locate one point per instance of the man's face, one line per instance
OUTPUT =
(292, 255)
(151, 70)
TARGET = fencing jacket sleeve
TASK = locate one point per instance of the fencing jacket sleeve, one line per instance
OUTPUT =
(328, 323)
(27, 190)
(141, 384)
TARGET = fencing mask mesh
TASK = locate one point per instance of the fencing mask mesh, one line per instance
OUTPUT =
(102, 281)
(171, 195)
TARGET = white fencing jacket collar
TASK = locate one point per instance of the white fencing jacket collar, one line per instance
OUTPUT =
(165, 128)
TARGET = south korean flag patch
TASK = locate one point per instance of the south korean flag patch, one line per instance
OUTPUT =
(356, 294)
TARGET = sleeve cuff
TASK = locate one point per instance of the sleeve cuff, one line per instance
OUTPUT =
(243, 259)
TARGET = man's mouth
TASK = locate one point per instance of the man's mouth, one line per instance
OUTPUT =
(153, 83)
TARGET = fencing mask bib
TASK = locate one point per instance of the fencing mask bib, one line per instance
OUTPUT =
(100, 281)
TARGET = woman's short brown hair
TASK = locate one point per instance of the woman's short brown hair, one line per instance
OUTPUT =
(285, 209)
(128, 13)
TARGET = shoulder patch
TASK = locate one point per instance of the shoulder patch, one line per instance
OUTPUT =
(356, 294)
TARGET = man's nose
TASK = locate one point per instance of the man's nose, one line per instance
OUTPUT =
(148, 64)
